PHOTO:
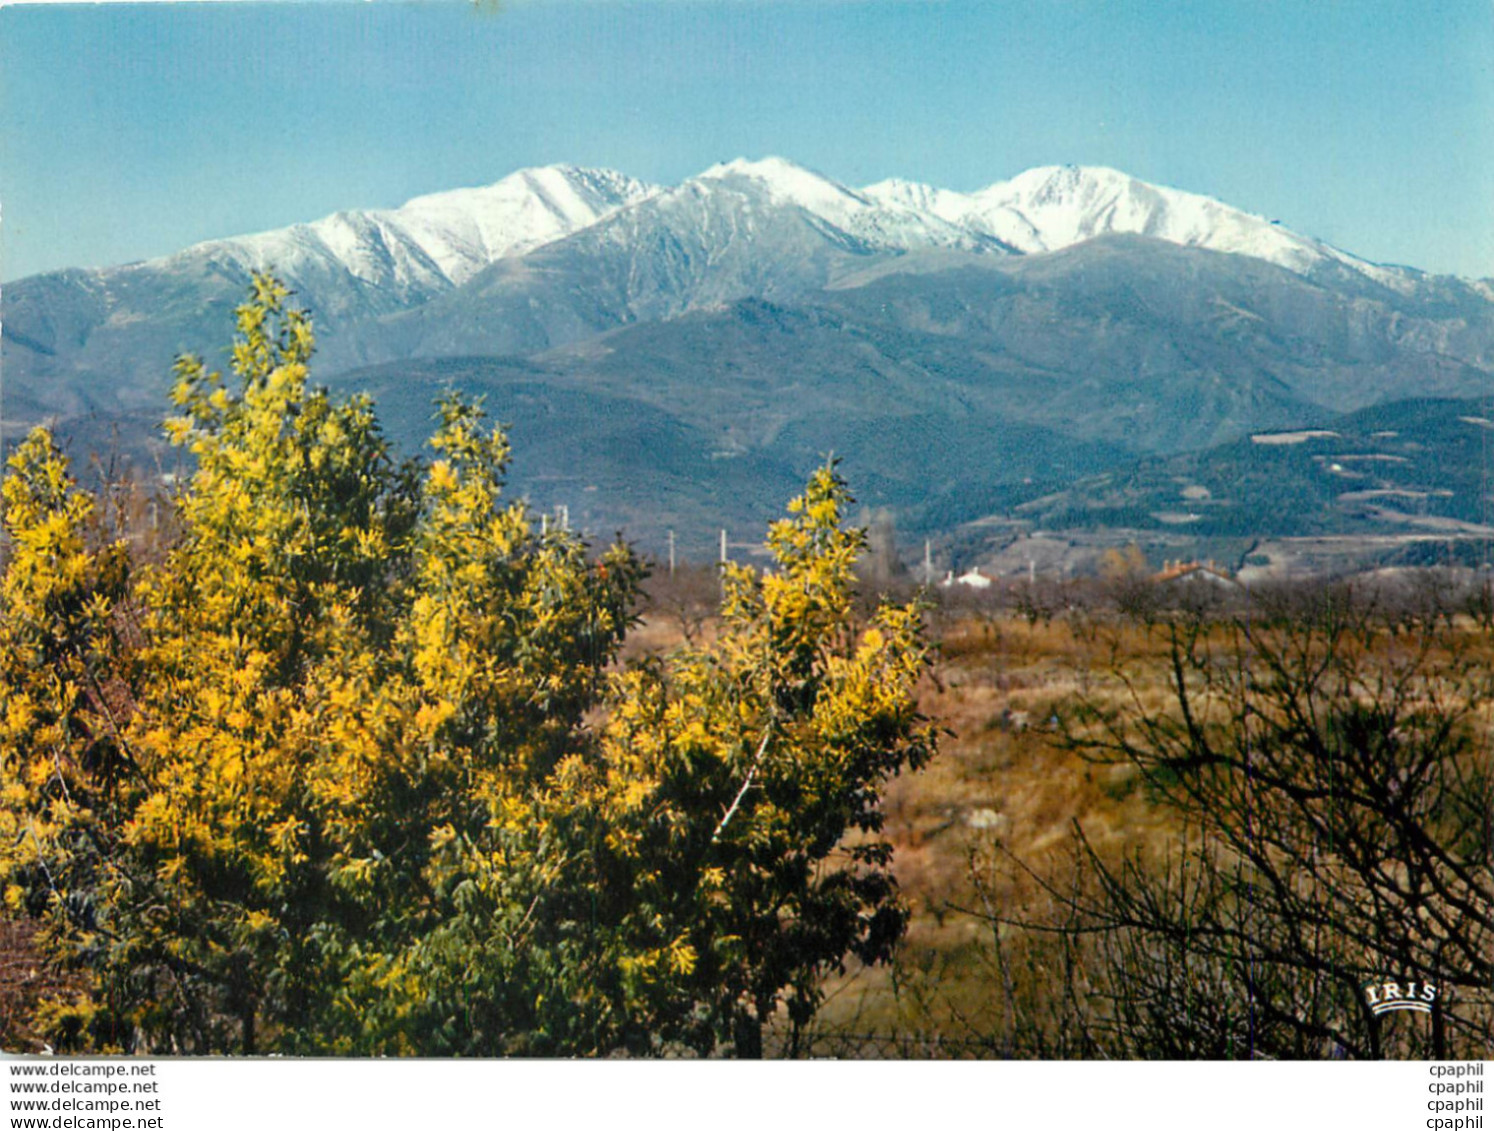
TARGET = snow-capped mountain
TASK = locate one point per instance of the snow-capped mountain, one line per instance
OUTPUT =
(686, 353)
(1041, 210)
(350, 269)
(432, 242)
(773, 229)
(1056, 206)
(566, 257)
(373, 262)
(880, 224)
(466, 229)
(400, 257)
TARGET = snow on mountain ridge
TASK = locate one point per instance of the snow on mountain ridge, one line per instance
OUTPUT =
(1066, 204)
(790, 183)
(435, 241)
(1051, 207)
(882, 223)
(440, 240)
(943, 203)
(466, 229)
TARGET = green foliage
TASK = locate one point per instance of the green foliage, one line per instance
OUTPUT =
(355, 770)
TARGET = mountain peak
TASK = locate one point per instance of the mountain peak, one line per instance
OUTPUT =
(466, 229)
(763, 168)
(786, 182)
(1070, 175)
(1061, 205)
(895, 216)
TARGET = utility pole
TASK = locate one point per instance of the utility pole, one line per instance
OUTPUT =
(928, 563)
(671, 553)
(723, 563)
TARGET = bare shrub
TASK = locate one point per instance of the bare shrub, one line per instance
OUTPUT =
(1328, 768)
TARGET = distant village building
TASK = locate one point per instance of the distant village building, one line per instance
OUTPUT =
(1208, 573)
(973, 578)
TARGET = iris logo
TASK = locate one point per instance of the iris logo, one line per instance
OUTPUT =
(1388, 995)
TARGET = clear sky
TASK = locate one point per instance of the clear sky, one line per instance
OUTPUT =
(128, 131)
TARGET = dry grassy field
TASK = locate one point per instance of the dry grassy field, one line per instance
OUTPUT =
(997, 960)
(996, 809)
(988, 835)
(1001, 799)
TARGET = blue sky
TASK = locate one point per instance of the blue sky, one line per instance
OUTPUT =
(128, 131)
